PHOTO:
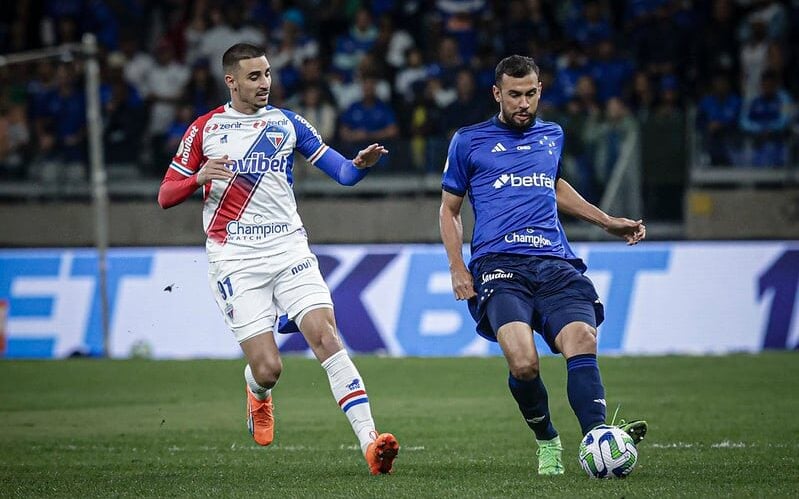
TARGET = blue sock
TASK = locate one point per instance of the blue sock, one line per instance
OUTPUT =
(534, 404)
(586, 393)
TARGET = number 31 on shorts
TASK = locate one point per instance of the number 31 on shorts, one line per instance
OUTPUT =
(225, 288)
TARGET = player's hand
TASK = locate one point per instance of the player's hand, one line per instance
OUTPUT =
(631, 231)
(369, 156)
(462, 284)
(215, 169)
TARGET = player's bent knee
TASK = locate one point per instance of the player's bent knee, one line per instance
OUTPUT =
(267, 372)
(525, 371)
(577, 338)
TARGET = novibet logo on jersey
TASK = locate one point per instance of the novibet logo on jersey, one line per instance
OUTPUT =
(534, 180)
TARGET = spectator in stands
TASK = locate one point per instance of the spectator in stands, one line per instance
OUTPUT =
(552, 102)
(61, 128)
(193, 32)
(291, 46)
(412, 72)
(201, 91)
(15, 142)
(367, 121)
(717, 43)
(124, 115)
(352, 46)
(174, 133)
(448, 62)
(165, 85)
(571, 66)
(348, 92)
(314, 106)
(138, 63)
(520, 21)
(392, 44)
(644, 97)
(766, 122)
(423, 117)
(227, 28)
(468, 108)
(753, 59)
(616, 131)
(460, 27)
(610, 72)
(717, 121)
(592, 26)
(663, 48)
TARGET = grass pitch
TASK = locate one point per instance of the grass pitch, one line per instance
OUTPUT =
(719, 426)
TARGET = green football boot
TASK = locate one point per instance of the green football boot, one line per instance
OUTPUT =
(549, 457)
(636, 429)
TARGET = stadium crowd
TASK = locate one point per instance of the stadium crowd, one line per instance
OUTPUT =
(410, 73)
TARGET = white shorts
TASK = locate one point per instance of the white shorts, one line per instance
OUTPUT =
(252, 292)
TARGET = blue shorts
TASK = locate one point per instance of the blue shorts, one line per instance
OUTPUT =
(546, 293)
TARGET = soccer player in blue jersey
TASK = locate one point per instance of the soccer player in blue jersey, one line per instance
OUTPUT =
(523, 276)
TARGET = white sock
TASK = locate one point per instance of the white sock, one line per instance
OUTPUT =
(257, 390)
(349, 391)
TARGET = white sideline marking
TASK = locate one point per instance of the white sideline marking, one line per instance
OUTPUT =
(725, 444)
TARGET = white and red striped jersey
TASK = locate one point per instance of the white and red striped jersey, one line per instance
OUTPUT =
(253, 213)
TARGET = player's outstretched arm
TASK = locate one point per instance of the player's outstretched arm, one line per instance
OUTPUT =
(349, 172)
(367, 157)
(572, 203)
(451, 227)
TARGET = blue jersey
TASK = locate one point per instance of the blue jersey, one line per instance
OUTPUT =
(510, 176)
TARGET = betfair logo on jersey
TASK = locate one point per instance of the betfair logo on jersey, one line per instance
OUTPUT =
(259, 162)
(534, 180)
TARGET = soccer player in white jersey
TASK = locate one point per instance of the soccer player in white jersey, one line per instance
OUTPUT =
(523, 276)
(241, 154)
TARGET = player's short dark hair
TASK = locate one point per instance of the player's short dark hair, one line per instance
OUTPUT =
(238, 52)
(515, 66)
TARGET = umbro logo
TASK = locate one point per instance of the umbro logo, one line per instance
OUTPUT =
(535, 420)
(600, 401)
(498, 148)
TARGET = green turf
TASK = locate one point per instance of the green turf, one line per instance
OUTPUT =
(719, 426)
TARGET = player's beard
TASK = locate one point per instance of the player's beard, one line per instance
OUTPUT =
(508, 119)
(257, 103)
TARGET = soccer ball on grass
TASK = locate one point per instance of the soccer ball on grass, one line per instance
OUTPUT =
(608, 452)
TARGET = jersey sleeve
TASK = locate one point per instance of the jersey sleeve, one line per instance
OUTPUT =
(180, 180)
(455, 178)
(309, 143)
(189, 156)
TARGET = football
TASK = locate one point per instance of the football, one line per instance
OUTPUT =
(608, 452)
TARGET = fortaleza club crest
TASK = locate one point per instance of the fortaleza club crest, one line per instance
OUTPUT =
(276, 138)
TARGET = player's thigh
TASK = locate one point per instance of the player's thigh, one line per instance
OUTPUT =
(516, 341)
(299, 286)
(566, 296)
(243, 292)
(503, 293)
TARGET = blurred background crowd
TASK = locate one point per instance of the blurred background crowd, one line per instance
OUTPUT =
(692, 83)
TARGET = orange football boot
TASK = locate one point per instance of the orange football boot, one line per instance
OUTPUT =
(260, 420)
(381, 453)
